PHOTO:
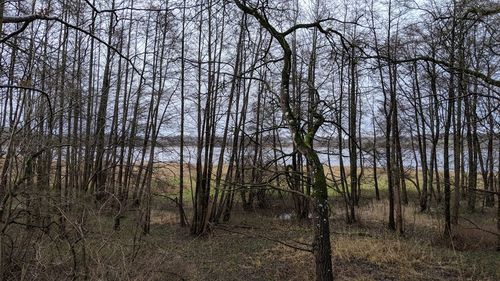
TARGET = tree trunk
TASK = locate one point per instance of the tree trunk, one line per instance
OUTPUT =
(304, 140)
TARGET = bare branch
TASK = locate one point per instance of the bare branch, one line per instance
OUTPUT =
(28, 19)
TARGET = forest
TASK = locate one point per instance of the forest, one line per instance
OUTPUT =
(249, 140)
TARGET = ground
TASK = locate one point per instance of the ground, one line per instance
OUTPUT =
(264, 244)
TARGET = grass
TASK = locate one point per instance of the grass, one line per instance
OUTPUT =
(247, 248)
(251, 246)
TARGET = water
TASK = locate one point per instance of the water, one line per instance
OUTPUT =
(170, 154)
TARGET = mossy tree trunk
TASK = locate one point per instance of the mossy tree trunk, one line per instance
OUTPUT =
(303, 141)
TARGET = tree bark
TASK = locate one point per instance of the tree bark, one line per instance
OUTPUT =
(303, 140)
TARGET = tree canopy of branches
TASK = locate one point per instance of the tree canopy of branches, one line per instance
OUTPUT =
(103, 104)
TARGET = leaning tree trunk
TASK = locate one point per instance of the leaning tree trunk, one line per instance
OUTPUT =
(303, 140)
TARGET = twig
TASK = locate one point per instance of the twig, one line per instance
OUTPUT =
(268, 238)
(478, 227)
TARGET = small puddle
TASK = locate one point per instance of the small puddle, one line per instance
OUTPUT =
(290, 216)
(285, 216)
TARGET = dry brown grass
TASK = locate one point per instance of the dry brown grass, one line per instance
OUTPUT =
(365, 251)
(247, 248)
